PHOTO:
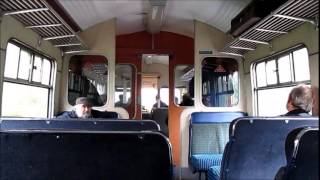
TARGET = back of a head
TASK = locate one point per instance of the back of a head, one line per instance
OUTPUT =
(121, 97)
(301, 97)
(186, 96)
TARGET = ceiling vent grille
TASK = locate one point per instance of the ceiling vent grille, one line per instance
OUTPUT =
(39, 16)
(287, 17)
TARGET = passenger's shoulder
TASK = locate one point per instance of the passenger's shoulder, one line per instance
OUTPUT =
(67, 114)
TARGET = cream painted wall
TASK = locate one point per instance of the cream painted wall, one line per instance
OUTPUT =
(206, 38)
(13, 29)
(101, 40)
(305, 34)
(161, 69)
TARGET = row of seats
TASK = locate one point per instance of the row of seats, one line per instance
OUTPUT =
(84, 149)
(255, 147)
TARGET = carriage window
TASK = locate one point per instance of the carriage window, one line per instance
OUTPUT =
(123, 83)
(183, 82)
(27, 87)
(88, 77)
(220, 82)
(164, 95)
(284, 72)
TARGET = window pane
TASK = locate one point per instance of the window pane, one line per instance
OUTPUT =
(268, 105)
(261, 74)
(271, 72)
(148, 100)
(184, 83)
(284, 69)
(46, 71)
(24, 65)
(123, 83)
(24, 101)
(88, 77)
(36, 74)
(12, 60)
(164, 95)
(221, 77)
(301, 65)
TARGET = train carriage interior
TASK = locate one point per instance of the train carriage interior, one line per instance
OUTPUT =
(174, 89)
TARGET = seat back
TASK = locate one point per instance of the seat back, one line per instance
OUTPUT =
(79, 124)
(256, 149)
(208, 131)
(105, 114)
(160, 115)
(84, 155)
(303, 147)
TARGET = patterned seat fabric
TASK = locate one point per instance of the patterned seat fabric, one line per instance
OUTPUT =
(214, 173)
(209, 133)
(208, 145)
(202, 162)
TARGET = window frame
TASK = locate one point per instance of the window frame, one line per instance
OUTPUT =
(174, 84)
(276, 56)
(227, 76)
(29, 82)
(133, 82)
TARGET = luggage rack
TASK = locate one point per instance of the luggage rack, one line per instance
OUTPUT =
(285, 18)
(39, 16)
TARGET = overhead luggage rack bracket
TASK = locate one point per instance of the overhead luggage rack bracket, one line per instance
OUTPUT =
(285, 18)
(295, 18)
(24, 11)
(39, 16)
(234, 54)
(43, 26)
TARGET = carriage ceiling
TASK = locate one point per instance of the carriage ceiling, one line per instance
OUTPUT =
(154, 15)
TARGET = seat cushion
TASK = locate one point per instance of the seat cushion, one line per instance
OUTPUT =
(202, 162)
(214, 173)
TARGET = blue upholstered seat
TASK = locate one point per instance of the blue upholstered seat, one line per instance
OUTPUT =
(202, 162)
(214, 173)
(209, 133)
(256, 148)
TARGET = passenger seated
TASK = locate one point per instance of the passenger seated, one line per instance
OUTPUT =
(159, 103)
(82, 109)
(120, 102)
(299, 104)
(299, 101)
(186, 100)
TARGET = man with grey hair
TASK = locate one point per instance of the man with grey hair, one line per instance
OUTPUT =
(82, 109)
(300, 101)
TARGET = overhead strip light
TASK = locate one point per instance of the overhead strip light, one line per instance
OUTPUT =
(272, 31)
(234, 54)
(254, 41)
(70, 52)
(295, 18)
(244, 48)
(25, 11)
(59, 37)
(64, 45)
(43, 26)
